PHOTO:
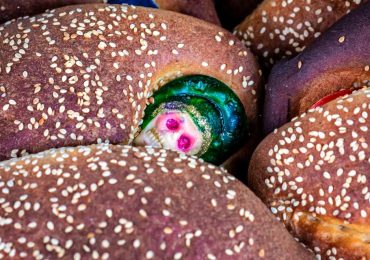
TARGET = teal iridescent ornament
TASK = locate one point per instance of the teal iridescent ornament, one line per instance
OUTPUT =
(197, 115)
(145, 3)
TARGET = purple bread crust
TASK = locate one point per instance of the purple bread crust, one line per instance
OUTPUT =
(140, 203)
(291, 79)
(11, 9)
(62, 85)
(313, 173)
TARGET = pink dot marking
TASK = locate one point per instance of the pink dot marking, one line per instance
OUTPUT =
(184, 143)
(172, 124)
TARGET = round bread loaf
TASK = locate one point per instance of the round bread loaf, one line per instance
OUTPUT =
(10, 9)
(203, 9)
(107, 202)
(280, 28)
(82, 74)
(313, 173)
(340, 59)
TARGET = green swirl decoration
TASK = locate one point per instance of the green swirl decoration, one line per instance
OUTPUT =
(213, 106)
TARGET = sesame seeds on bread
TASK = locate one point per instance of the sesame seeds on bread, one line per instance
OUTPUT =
(202, 9)
(84, 74)
(281, 28)
(313, 173)
(106, 201)
(339, 59)
(10, 9)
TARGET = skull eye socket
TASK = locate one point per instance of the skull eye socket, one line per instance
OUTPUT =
(205, 110)
(172, 124)
(184, 143)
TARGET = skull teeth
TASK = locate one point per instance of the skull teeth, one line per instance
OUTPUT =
(155, 138)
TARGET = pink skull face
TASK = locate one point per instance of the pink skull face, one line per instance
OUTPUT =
(173, 130)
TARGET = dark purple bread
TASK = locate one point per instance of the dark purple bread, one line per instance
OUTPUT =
(339, 59)
(314, 175)
(202, 9)
(62, 84)
(279, 28)
(118, 202)
(10, 9)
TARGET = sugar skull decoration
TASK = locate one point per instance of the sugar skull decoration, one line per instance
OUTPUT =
(145, 3)
(197, 115)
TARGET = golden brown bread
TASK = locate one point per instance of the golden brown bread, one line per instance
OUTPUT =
(82, 74)
(280, 28)
(313, 173)
(348, 241)
(203, 9)
(107, 202)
